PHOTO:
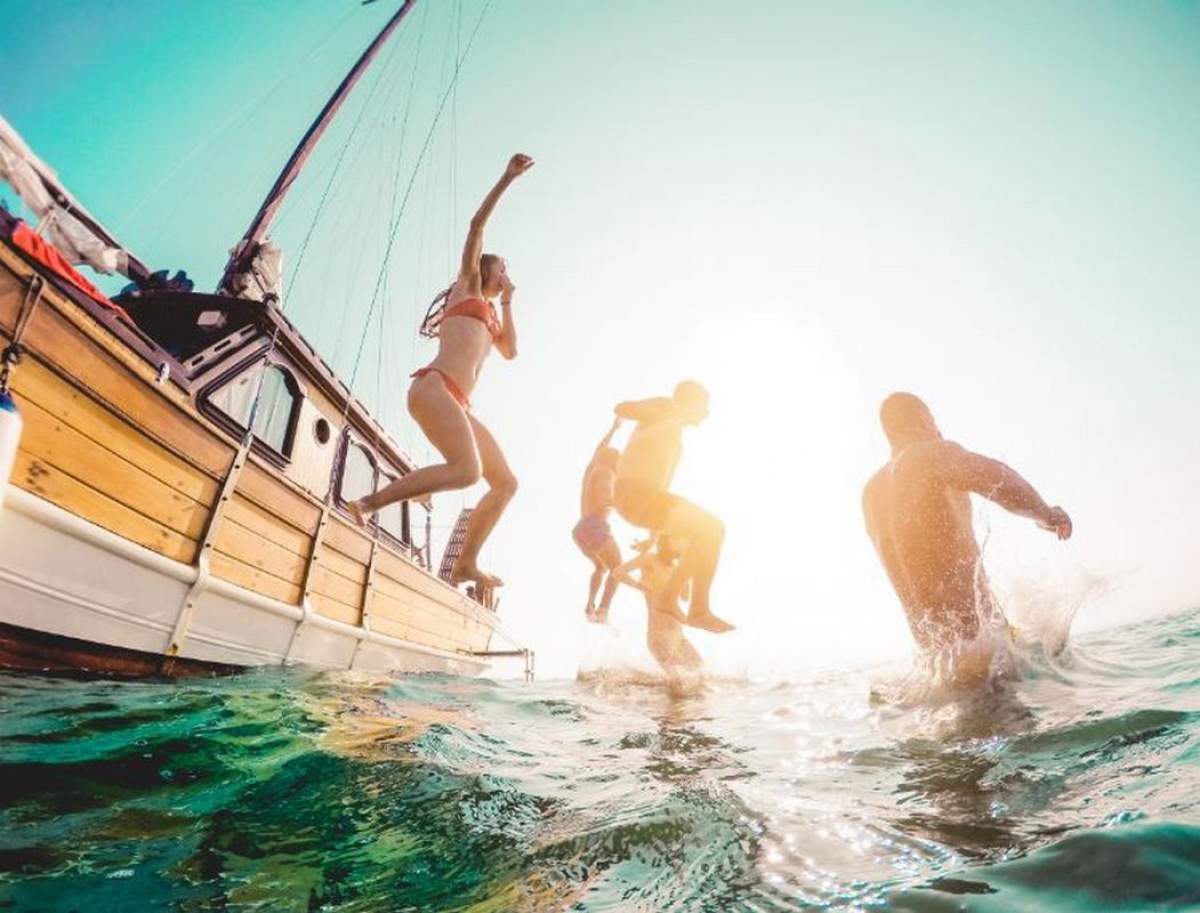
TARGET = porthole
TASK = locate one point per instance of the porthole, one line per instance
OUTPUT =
(321, 431)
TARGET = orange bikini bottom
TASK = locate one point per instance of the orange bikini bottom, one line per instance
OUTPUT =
(451, 387)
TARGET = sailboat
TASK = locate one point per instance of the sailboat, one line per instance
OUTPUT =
(181, 461)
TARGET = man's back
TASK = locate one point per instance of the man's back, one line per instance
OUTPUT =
(918, 514)
(652, 453)
(920, 524)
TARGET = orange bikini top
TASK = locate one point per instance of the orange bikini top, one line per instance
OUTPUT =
(483, 311)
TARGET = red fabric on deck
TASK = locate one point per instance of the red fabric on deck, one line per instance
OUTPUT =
(51, 257)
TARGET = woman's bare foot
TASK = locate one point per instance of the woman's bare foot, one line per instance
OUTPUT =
(470, 573)
(705, 620)
(357, 513)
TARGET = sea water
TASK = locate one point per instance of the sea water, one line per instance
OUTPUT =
(1074, 786)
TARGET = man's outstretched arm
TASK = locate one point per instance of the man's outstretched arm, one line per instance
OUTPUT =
(646, 410)
(1002, 484)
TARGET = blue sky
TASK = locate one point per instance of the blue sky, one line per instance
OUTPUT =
(803, 205)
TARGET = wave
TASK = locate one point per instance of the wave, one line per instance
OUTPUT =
(1072, 787)
(1151, 867)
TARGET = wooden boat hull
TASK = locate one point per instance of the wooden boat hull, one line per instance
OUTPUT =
(133, 542)
(29, 650)
(74, 597)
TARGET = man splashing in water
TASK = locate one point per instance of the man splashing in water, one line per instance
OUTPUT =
(918, 515)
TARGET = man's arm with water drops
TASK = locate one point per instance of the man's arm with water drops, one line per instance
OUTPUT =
(1002, 485)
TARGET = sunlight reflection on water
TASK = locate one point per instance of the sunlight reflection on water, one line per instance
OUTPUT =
(281, 790)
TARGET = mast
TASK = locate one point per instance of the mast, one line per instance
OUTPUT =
(248, 246)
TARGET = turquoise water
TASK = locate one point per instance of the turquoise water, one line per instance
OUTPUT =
(1075, 788)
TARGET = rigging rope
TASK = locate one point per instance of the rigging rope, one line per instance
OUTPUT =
(408, 190)
(395, 49)
(398, 212)
(393, 217)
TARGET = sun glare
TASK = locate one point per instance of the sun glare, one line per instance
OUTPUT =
(782, 459)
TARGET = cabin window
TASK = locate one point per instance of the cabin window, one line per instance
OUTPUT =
(358, 473)
(278, 402)
(393, 519)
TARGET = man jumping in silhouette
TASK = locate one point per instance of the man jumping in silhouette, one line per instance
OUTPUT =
(642, 498)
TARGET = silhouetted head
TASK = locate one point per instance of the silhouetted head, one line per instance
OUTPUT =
(692, 400)
(606, 458)
(492, 272)
(906, 419)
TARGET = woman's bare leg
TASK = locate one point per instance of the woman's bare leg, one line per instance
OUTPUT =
(598, 572)
(449, 430)
(502, 485)
(610, 560)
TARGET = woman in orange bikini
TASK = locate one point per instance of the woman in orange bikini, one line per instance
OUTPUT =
(467, 326)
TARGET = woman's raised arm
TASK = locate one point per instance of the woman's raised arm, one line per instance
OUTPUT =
(506, 342)
(473, 249)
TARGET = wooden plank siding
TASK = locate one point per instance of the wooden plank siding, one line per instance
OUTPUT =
(348, 539)
(428, 621)
(33, 382)
(252, 578)
(405, 571)
(57, 487)
(59, 445)
(259, 551)
(331, 608)
(106, 443)
(334, 586)
(269, 529)
(329, 557)
(386, 624)
(428, 595)
(89, 366)
(278, 498)
(12, 293)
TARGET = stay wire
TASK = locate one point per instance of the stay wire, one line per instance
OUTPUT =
(408, 191)
(337, 168)
(384, 312)
(312, 174)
